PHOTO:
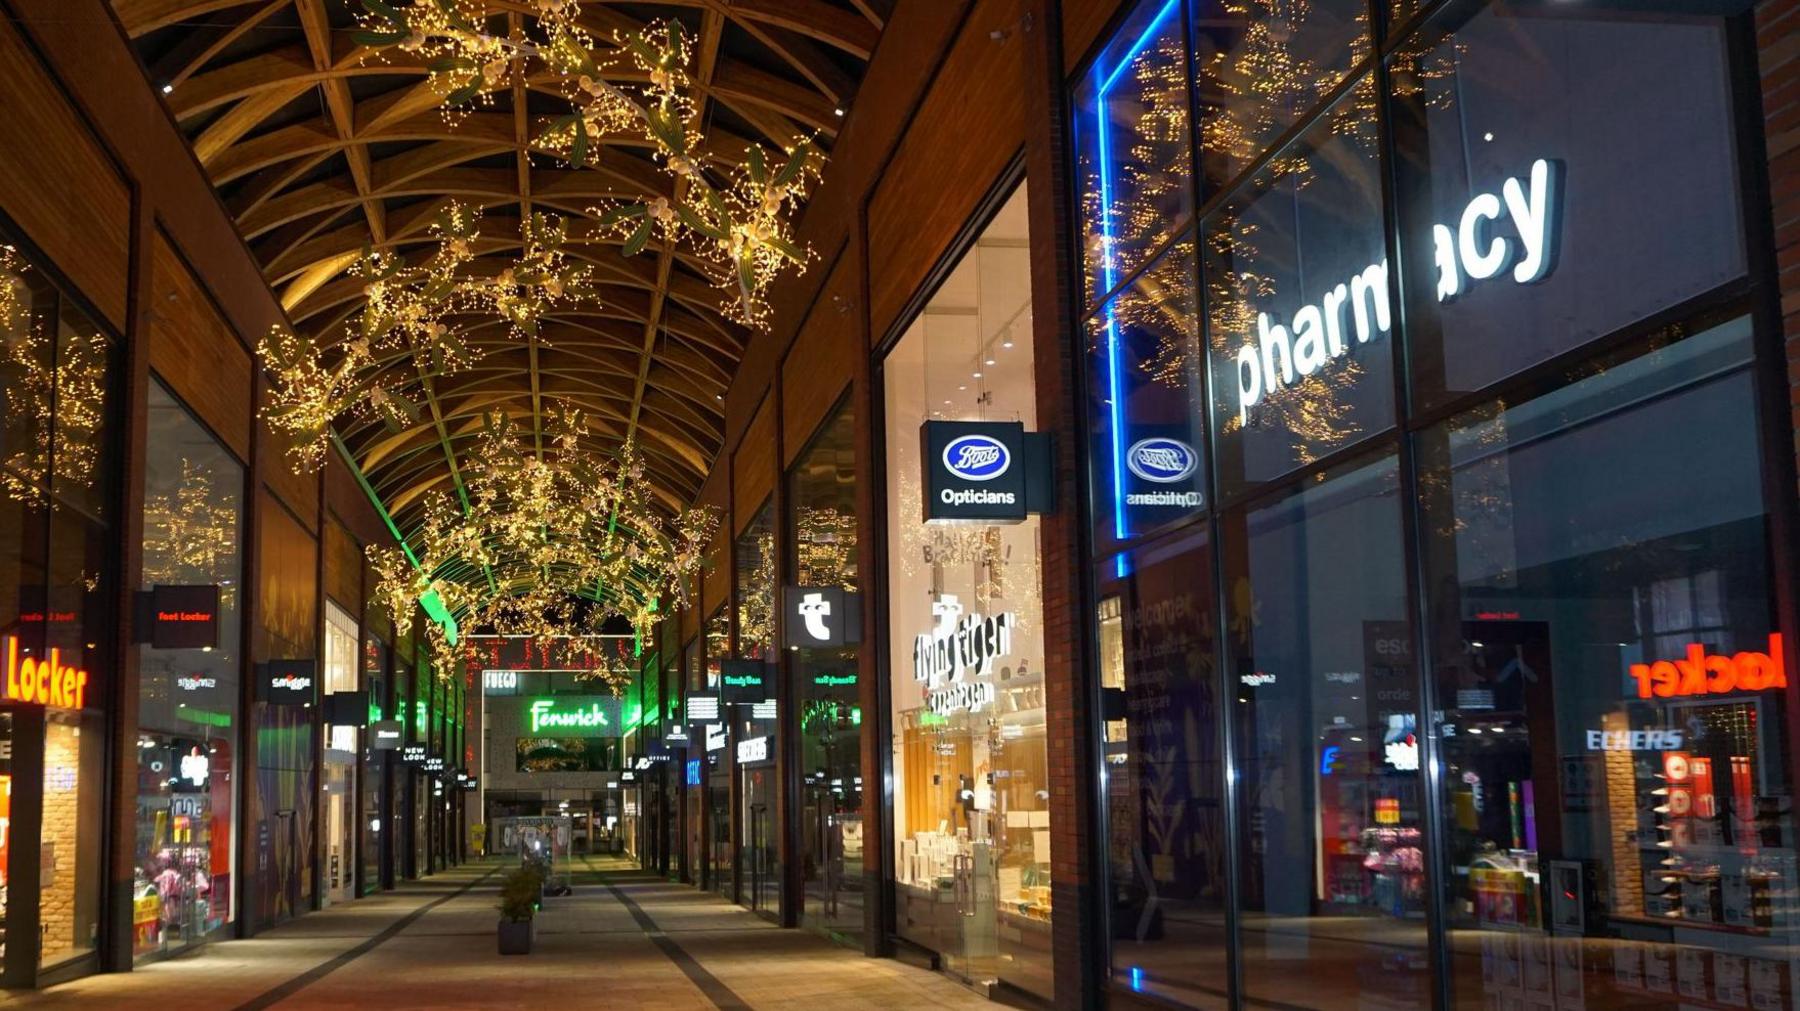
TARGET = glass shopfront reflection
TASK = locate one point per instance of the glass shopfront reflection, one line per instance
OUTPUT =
(1490, 547)
(971, 802)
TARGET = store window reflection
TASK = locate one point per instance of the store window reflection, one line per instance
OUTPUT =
(756, 721)
(339, 801)
(717, 797)
(970, 786)
(1330, 857)
(823, 502)
(1616, 737)
(187, 698)
(1164, 782)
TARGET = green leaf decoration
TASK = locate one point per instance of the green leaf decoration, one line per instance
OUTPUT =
(578, 151)
(692, 219)
(615, 215)
(635, 244)
(759, 169)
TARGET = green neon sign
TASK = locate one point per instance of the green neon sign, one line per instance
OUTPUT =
(578, 716)
(834, 680)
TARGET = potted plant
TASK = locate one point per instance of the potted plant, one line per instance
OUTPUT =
(518, 907)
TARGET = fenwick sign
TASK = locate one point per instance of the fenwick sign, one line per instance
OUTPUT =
(575, 716)
(959, 646)
(1464, 253)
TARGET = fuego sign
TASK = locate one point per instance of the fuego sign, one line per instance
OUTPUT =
(1277, 359)
(43, 682)
(1703, 673)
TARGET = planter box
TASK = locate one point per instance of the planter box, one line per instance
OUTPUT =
(515, 937)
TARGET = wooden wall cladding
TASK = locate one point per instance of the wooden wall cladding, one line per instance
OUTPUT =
(969, 127)
(343, 566)
(820, 362)
(1083, 21)
(58, 183)
(753, 466)
(299, 489)
(195, 352)
(287, 582)
(716, 585)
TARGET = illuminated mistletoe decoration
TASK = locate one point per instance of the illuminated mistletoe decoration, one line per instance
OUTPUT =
(408, 330)
(733, 218)
(549, 544)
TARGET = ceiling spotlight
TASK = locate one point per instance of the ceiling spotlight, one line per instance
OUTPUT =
(1006, 344)
(168, 88)
(976, 375)
(838, 111)
(990, 361)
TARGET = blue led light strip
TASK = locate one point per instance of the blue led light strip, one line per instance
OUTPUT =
(1109, 276)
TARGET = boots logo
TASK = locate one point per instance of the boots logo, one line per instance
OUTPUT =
(977, 457)
(1163, 461)
(1703, 673)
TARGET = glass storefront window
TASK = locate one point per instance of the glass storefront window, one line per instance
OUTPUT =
(1616, 740)
(970, 791)
(186, 842)
(716, 800)
(1146, 404)
(1164, 782)
(338, 831)
(758, 862)
(823, 496)
(1527, 235)
(375, 660)
(1297, 307)
(1132, 146)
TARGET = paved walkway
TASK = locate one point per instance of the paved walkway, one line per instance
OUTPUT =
(623, 940)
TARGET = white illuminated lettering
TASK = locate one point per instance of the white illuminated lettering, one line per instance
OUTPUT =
(1481, 264)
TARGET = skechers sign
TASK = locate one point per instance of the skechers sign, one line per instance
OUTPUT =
(986, 472)
(1463, 253)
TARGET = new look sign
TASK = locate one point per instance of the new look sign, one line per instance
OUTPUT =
(983, 471)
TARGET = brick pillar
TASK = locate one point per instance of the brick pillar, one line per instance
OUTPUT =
(1075, 896)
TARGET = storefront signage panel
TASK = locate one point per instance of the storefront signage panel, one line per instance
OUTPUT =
(287, 682)
(983, 471)
(1634, 740)
(746, 682)
(1470, 251)
(820, 617)
(755, 749)
(575, 716)
(1703, 673)
(500, 682)
(413, 754)
(702, 708)
(387, 735)
(959, 646)
(715, 737)
(179, 617)
(46, 682)
(347, 709)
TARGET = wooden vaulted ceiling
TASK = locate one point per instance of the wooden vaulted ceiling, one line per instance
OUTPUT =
(320, 148)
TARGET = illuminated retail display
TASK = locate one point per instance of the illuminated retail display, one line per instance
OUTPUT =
(1418, 700)
(971, 851)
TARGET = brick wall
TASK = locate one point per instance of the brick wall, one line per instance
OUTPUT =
(63, 796)
(1778, 52)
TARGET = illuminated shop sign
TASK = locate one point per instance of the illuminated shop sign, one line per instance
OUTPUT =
(47, 682)
(387, 735)
(820, 616)
(834, 680)
(434, 764)
(702, 708)
(177, 617)
(715, 737)
(195, 682)
(984, 472)
(579, 716)
(1162, 460)
(960, 645)
(744, 682)
(1703, 673)
(755, 749)
(413, 754)
(1463, 254)
(287, 682)
(693, 772)
(500, 681)
(1634, 740)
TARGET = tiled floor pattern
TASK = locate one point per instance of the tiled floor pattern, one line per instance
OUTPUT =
(696, 952)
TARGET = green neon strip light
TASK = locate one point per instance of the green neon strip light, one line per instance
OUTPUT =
(433, 604)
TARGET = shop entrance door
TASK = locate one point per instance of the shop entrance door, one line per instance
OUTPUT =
(973, 948)
(718, 813)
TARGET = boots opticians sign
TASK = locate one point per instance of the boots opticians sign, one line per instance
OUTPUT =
(43, 681)
(1463, 253)
(1704, 673)
(983, 471)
